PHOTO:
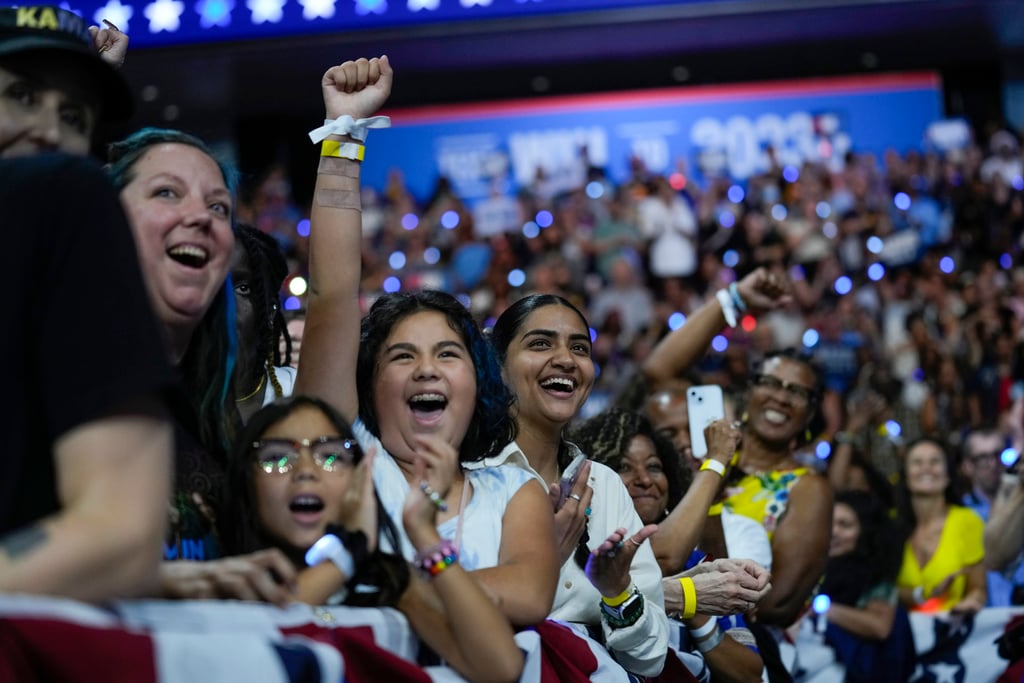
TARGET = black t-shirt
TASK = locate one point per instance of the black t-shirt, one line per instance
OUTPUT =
(80, 341)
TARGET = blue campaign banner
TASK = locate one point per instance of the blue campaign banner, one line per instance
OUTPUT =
(176, 22)
(696, 131)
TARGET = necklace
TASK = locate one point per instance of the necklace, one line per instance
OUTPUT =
(259, 387)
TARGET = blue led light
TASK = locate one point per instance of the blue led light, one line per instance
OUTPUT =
(736, 194)
(1008, 457)
(797, 272)
(397, 260)
(823, 209)
(730, 258)
(821, 603)
(893, 428)
(902, 201)
(823, 450)
(726, 219)
(530, 230)
(843, 285)
(544, 219)
(1018, 183)
(302, 227)
(791, 174)
(410, 221)
(947, 265)
(876, 271)
(449, 220)
(516, 277)
(464, 299)
(292, 303)
(431, 255)
(593, 335)
(676, 320)
(829, 230)
(214, 12)
(1006, 262)
(779, 212)
(392, 284)
(810, 338)
(595, 190)
(719, 343)
(365, 7)
(875, 244)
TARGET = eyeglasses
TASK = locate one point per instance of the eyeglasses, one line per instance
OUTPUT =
(990, 456)
(329, 453)
(797, 393)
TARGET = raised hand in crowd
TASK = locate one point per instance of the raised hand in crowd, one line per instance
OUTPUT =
(571, 517)
(111, 44)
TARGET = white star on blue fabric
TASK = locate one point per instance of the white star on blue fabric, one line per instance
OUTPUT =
(164, 15)
(317, 9)
(471, 3)
(266, 11)
(417, 5)
(114, 12)
(214, 12)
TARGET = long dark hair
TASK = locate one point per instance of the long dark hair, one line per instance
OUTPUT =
(511, 321)
(268, 270)
(239, 526)
(491, 428)
(874, 560)
(209, 361)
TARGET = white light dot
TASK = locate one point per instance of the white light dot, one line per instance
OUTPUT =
(875, 244)
(516, 277)
(449, 220)
(1008, 456)
(810, 338)
(397, 260)
(821, 603)
(823, 209)
(893, 428)
(297, 285)
(779, 212)
(676, 320)
(830, 230)
(595, 190)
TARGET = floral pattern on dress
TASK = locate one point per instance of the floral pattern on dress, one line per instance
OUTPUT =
(763, 496)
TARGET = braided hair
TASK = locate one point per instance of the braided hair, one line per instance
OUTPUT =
(605, 438)
(268, 270)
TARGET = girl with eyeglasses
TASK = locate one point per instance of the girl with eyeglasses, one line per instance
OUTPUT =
(299, 482)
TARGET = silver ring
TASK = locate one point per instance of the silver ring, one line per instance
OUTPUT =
(575, 496)
(633, 541)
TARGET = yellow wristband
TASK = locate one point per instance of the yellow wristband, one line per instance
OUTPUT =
(620, 598)
(713, 465)
(343, 150)
(689, 596)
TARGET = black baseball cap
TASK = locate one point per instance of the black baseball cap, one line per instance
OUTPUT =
(39, 28)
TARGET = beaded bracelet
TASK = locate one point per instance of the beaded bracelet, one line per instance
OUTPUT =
(436, 559)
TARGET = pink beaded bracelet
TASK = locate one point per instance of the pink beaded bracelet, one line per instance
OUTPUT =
(436, 559)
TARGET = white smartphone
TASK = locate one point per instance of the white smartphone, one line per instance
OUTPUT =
(704, 405)
(569, 477)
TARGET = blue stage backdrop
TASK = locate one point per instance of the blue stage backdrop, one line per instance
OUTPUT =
(173, 22)
(691, 132)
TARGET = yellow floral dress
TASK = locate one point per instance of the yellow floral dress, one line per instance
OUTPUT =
(762, 496)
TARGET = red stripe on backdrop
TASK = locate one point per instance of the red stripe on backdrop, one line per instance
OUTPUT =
(565, 657)
(662, 96)
(365, 661)
(47, 650)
